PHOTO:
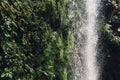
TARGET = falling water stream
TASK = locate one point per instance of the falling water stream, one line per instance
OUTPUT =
(92, 72)
(85, 58)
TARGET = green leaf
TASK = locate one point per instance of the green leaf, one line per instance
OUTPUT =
(10, 75)
(8, 23)
(45, 73)
(6, 70)
(3, 75)
(7, 35)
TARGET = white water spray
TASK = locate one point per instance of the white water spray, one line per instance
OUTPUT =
(92, 72)
(85, 58)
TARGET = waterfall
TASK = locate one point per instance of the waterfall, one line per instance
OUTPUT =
(90, 50)
(87, 35)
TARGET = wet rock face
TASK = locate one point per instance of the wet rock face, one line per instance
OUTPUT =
(112, 62)
(108, 8)
(112, 51)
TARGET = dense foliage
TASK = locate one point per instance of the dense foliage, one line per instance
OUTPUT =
(112, 20)
(34, 40)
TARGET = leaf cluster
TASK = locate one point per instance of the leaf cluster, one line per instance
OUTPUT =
(32, 43)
